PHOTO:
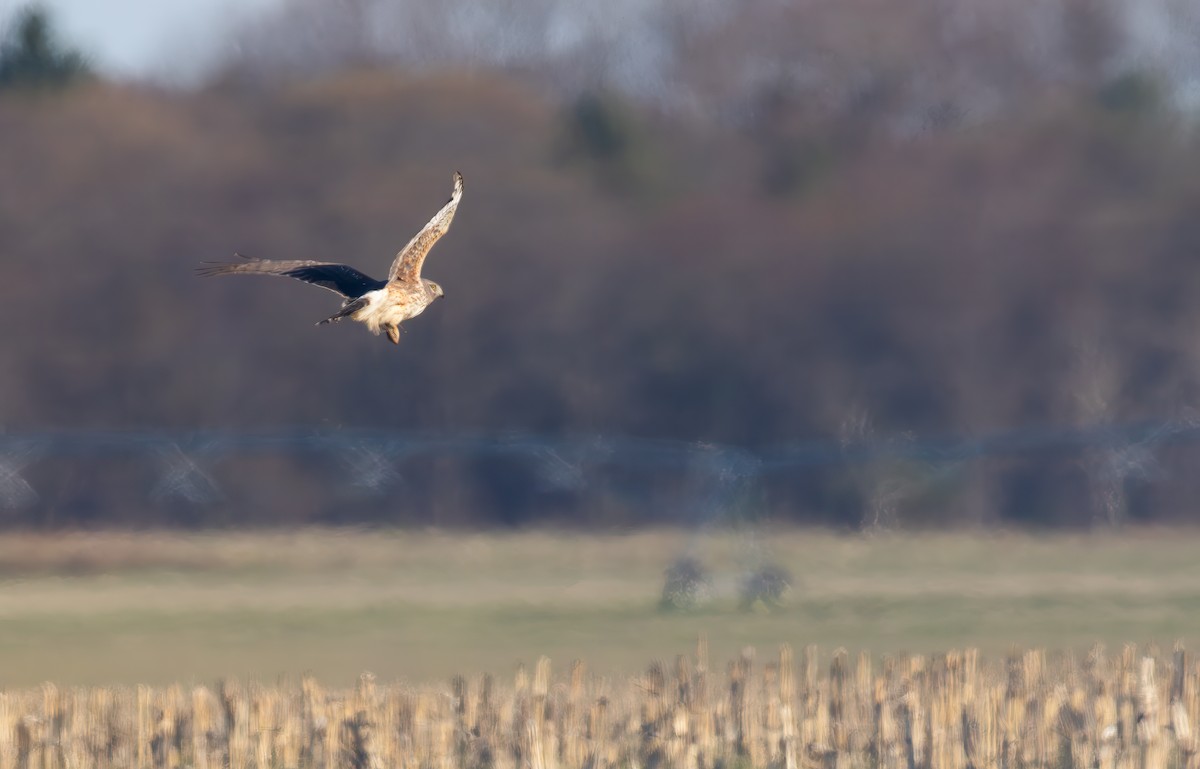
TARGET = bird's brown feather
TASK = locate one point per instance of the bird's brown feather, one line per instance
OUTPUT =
(407, 264)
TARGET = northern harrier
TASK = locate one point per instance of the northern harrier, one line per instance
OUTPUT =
(380, 304)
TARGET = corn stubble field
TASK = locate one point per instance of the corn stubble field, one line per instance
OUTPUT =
(1134, 709)
(248, 650)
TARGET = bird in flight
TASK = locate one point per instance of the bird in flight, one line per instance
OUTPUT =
(382, 305)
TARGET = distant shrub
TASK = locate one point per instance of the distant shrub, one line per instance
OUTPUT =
(766, 587)
(1131, 93)
(603, 132)
(32, 57)
(688, 585)
(792, 166)
(602, 127)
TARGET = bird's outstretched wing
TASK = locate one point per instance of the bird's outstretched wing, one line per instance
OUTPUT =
(407, 265)
(339, 278)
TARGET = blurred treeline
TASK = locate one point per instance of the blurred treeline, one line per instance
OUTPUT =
(868, 252)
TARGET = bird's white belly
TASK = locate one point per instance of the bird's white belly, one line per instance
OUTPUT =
(385, 308)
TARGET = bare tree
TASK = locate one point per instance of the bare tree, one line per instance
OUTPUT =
(879, 469)
(1114, 457)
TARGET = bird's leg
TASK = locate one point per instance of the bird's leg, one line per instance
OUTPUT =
(393, 333)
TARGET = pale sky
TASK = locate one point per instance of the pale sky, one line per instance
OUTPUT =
(168, 40)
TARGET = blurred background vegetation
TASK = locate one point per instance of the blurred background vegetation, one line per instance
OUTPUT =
(747, 225)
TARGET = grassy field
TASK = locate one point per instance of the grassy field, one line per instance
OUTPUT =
(422, 606)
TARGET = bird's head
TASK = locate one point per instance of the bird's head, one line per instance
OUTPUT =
(435, 290)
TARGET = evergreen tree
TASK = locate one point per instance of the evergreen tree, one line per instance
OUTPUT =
(32, 57)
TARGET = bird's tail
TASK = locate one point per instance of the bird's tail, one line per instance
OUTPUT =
(348, 309)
